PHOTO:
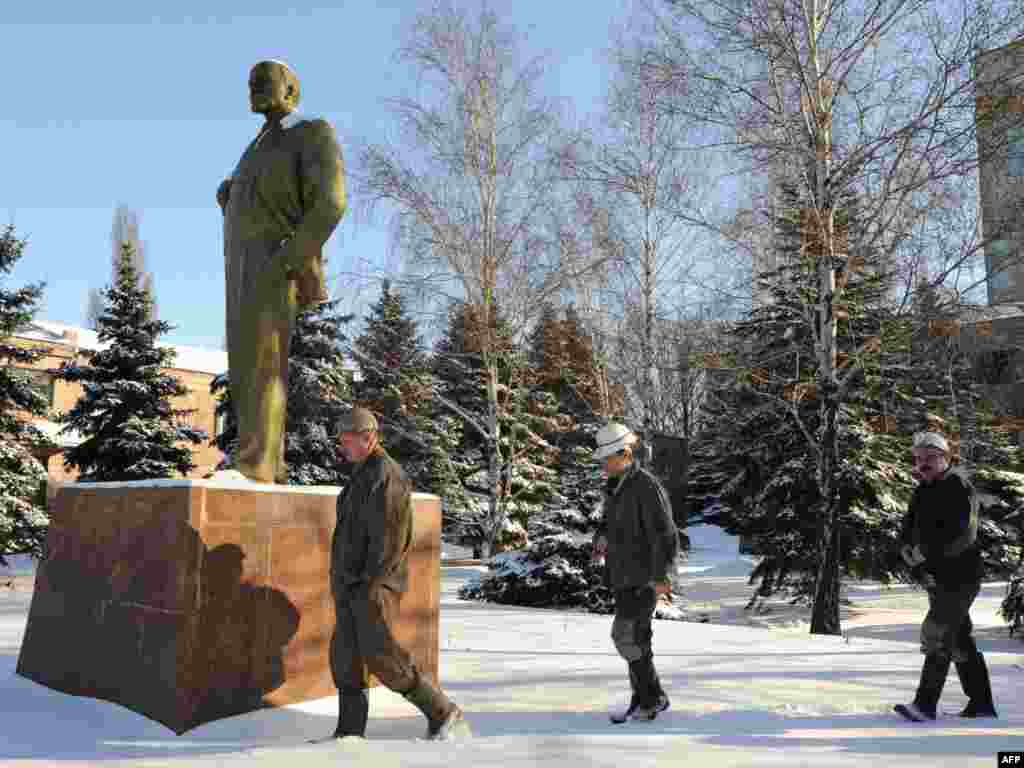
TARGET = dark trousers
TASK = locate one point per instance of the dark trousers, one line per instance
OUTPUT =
(363, 642)
(631, 628)
(946, 630)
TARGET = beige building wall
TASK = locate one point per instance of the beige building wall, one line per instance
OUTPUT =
(64, 395)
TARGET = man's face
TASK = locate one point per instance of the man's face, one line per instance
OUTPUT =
(269, 89)
(617, 463)
(929, 464)
(356, 446)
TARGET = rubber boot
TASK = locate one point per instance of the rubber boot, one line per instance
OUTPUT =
(933, 678)
(975, 681)
(662, 697)
(634, 700)
(353, 710)
(443, 716)
(649, 693)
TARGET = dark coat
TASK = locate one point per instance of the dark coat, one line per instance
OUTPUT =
(942, 520)
(373, 533)
(642, 538)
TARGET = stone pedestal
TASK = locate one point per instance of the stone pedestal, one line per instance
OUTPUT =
(188, 601)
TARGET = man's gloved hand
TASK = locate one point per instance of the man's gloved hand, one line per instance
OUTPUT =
(922, 577)
(912, 555)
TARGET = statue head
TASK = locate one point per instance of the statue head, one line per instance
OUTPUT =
(273, 88)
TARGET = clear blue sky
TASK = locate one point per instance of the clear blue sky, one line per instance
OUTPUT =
(145, 104)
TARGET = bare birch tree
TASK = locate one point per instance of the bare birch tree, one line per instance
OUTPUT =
(471, 188)
(645, 183)
(870, 99)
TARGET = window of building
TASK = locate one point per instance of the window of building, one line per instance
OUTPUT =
(1015, 151)
(996, 255)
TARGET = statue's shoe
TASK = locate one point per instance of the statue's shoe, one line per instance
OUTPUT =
(229, 476)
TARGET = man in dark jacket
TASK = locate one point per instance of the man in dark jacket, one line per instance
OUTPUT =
(639, 542)
(938, 542)
(369, 574)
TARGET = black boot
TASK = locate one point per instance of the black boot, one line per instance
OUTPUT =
(445, 720)
(634, 700)
(933, 678)
(353, 710)
(651, 697)
(974, 679)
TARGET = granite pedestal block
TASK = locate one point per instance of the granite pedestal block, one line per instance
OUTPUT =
(188, 601)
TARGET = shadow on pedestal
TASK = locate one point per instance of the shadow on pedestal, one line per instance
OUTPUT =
(107, 623)
(187, 602)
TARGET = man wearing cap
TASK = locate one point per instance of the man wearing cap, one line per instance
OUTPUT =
(280, 204)
(639, 542)
(369, 574)
(938, 542)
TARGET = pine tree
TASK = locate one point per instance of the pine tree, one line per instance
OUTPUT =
(130, 429)
(395, 382)
(319, 392)
(546, 348)
(125, 229)
(526, 478)
(754, 475)
(562, 358)
(756, 470)
(555, 569)
(589, 392)
(23, 519)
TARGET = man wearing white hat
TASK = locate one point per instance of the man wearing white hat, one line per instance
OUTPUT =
(640, 542)
(938, 542)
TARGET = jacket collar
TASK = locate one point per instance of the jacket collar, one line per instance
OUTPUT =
(614, 484)
(291, 120)
(373, 459)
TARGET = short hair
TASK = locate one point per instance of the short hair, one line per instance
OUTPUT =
(357, 420)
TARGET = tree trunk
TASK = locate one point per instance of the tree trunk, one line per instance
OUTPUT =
(495, 507)
(825, 612)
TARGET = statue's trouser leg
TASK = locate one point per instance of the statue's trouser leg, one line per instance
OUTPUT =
(258, 350)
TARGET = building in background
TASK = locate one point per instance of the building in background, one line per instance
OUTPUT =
(193, 366)
(999, 111)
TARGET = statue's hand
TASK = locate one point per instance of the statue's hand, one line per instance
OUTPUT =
(223, 194)
(310, 285)
(310, 290)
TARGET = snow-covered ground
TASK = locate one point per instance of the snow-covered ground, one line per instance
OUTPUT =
(536, 686)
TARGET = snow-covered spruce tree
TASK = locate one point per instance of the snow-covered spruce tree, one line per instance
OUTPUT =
(758, 467)
(129, 427)
(318, 394)
(555, 569)
(494, 516)
(947, 386)
(395, 383)
(762, 486)
(23, 519)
